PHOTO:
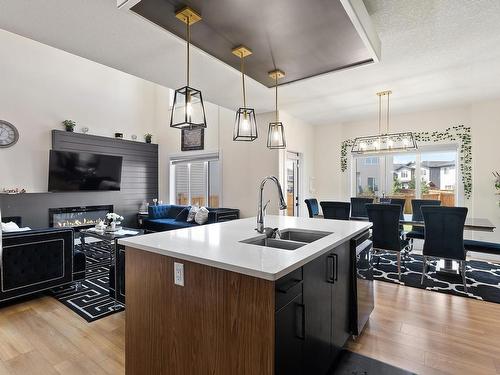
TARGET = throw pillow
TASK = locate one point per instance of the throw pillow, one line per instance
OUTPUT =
(201, 216)
(13, 227)
(183, 215)
(192, 213)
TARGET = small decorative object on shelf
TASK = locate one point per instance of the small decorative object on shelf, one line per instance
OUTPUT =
(148, 137)
(113, 221)
(13, 191)
(85, 130)
(133, 137)
(155, 201)
(69, 125)
(119, 135)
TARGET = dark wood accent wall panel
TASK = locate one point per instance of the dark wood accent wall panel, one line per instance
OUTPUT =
(220, 322)
(139, 180)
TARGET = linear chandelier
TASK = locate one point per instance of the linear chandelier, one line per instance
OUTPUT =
(245, 125)
(188, 111)
(386, 142)
(276, 132)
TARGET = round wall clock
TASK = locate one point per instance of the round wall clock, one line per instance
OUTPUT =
(8, 134)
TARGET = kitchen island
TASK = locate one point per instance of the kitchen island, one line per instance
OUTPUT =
(223, 299)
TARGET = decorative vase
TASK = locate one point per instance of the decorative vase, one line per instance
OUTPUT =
(112, 225)
(148, 140)
(69, 129)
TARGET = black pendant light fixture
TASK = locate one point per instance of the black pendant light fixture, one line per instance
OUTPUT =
(276, 132)
(384, 142)
(188, 111)
(245, 125)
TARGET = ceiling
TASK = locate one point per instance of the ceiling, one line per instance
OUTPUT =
(301, 38)
(435, 53)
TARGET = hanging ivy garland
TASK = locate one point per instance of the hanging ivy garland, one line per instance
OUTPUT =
(459, 133)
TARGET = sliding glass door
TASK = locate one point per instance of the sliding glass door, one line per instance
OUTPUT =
(426, 174)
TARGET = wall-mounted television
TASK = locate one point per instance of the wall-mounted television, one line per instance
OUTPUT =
(80, 171)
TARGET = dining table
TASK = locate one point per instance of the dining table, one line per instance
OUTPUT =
(446, 266)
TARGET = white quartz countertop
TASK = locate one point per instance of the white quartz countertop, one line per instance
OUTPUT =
(218, 245)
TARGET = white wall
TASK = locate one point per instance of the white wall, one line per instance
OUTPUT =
(484, 120)
(42, 86)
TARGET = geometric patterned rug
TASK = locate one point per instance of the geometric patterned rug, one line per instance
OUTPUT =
(92, 301)
(483, 278)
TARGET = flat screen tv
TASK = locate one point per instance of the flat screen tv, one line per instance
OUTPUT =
(79, 171)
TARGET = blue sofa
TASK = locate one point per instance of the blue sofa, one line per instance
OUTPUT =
(163, 217)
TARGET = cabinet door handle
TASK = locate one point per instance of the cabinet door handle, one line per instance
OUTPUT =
(300, 321)
(336, 268)
(330, 269)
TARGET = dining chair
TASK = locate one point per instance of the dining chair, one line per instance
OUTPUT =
(358, 206)
(444, 236)
(385, 230)
(336, 210)
(417, 232)
(312, 206)
(401, 202)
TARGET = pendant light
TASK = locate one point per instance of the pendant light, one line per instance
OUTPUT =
(188, 111)
(245, 126)
(384, 142)
(276, 132)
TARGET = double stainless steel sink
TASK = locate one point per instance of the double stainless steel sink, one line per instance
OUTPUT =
(290, 239)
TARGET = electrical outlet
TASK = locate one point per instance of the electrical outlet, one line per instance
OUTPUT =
(178, 274)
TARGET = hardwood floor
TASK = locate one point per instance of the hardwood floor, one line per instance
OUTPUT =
(421, 331)
(42, 336)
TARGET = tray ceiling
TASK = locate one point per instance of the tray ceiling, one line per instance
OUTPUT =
(302, 38)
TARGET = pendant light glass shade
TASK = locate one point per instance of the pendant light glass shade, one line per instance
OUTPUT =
(188, 111)
(245, 125)
(276, 136)
(394, 142)
(276, 131)
(387, 142)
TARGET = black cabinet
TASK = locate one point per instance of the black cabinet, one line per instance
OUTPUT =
(326, 296)
(313, 306)
(290, 338)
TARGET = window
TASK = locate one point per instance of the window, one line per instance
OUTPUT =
(371, 161)
(367, 175)
(195, 180)
(429, 173)
(372, 184)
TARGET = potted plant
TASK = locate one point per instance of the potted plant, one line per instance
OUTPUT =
(69, 125)
(148, 137)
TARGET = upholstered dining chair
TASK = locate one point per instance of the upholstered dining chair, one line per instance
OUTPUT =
(401, 202)
(385, 230)
(418, 232)
(312, 207)
(358, 206)
(336, 210)
(444, 236)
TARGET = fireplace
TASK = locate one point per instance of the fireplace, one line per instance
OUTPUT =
(78, 217)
